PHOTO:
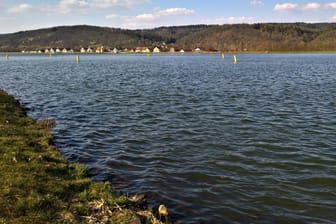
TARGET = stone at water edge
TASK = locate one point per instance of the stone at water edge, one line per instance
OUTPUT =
(163, 211)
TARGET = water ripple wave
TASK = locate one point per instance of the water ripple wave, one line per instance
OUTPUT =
(217, 142)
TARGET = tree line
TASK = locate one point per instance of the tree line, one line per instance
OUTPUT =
(271, 37)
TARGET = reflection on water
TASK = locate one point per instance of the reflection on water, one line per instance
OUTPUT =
(251, 142)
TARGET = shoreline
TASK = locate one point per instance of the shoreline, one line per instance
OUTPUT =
(39, 185)
(175, 53)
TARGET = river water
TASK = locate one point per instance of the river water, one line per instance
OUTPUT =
(218, 142)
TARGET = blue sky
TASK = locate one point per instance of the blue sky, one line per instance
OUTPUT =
(18, 15)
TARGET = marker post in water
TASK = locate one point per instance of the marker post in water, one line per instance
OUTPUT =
(77, 59)
(7, 56)
(235, 59)
(223, 55)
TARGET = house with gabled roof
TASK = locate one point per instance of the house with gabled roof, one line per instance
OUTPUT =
(100, 49)
(142, 50)
(156, 50)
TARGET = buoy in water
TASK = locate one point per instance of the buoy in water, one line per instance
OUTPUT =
(77, 58)
(235, 59)
(223, 55)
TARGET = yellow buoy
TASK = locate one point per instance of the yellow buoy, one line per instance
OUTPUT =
(77, 58)
(235, 59)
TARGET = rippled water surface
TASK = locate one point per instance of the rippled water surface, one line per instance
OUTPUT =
(253, 142)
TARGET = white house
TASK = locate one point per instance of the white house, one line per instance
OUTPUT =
(156, 50)
(82, 50)
(115, 51)
(100, 49)
(142, 50)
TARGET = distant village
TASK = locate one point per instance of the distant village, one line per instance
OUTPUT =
(102, 49)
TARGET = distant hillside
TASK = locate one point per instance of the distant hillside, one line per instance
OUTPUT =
(237, 37)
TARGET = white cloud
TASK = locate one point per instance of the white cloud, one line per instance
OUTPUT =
(312, 6)
(145, 17)
(156, 18)
(331, 5)
(285, 7)
(231, 20)
(67, 6)
(111, 16)
(306, 7)
(163, 13)
(115, 3)
(175, 12)
(256, 2)
(20, 8)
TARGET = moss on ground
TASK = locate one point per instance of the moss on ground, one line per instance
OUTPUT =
(38, 185)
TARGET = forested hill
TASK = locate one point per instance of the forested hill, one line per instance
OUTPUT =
(238, 37)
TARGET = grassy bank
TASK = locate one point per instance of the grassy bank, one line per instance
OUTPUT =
(38, 185)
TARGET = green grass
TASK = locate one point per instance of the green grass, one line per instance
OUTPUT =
(38, 185)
